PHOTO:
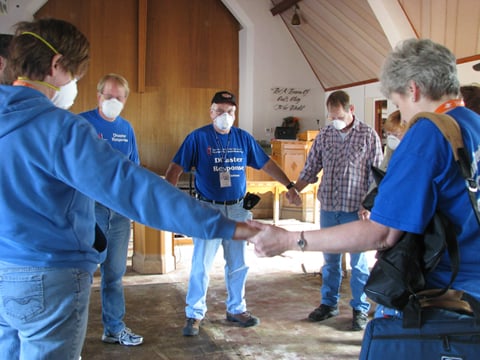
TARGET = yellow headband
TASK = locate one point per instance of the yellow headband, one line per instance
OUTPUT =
(41, 39)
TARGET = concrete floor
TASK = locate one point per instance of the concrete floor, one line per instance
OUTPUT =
(277, 291)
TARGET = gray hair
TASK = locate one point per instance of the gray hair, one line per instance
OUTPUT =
(430, 65)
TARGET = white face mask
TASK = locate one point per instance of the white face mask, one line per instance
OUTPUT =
(65, 97)
(392, 141)
(112, 108)
(224, 122)
(339, 124)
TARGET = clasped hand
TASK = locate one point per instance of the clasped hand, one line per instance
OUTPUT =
(293, 196)
(269, 240)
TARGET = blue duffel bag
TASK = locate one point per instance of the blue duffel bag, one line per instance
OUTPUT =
(443, 339)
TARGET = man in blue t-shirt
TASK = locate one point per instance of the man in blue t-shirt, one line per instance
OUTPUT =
(220, 153)
(112, 93)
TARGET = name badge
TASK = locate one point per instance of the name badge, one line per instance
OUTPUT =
(225, 179)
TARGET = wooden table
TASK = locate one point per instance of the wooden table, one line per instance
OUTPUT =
(262, 187)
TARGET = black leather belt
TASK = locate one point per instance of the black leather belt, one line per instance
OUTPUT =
(227, 202)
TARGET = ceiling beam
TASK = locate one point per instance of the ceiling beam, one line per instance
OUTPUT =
(282, 6)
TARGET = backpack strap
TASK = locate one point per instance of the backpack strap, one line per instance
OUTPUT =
(447, 126)
(450, 129)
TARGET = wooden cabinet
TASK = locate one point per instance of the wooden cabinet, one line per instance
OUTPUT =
(291, 155)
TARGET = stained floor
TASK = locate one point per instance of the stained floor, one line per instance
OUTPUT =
(278, 291)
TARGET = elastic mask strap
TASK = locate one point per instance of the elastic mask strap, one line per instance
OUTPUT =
(51, 48)
(41, 39)
(23, 78)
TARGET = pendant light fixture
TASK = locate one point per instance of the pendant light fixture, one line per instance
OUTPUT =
(296, 18)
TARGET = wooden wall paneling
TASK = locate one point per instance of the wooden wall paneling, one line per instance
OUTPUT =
(187, 47)
(191, 51)
(188, 59)
(111, 30)
(142, 44)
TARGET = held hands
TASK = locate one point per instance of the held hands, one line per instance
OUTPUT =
(363, 214)
(294, 197)
(270, 240)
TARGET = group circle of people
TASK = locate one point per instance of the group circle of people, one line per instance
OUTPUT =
(60, 220)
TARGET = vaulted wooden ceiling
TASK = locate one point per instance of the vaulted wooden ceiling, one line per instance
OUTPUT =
(345, 44)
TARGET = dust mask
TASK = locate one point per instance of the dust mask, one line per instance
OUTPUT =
(112, 108)
(66, 95)
(339, 124)
(392, 141)
(224, 122)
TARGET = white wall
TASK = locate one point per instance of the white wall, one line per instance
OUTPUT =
(18, 10)
(270, 58)
(364, 96)
(466, 74)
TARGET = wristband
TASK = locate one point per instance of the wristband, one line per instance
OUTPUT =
(290, 185)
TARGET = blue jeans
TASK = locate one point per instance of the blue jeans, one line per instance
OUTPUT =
(43, 312)
(117, 231)
(204, 251)
(332, 269)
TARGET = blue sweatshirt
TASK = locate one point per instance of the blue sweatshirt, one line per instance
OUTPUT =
(54, 166)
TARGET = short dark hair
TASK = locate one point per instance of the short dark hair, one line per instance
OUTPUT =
(35, 43)
(339, 98)
(5, 40)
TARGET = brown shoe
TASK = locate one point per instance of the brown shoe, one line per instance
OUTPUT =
(244, 319)
(192, 327)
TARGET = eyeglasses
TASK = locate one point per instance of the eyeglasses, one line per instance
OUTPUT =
(331, 117)
(109, 97)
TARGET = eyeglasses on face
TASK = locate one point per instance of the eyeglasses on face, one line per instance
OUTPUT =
(109, 97)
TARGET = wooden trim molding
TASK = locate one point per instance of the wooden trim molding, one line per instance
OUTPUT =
(142, 43)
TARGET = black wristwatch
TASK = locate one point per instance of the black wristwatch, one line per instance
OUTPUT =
(290, 185)
(302, 242)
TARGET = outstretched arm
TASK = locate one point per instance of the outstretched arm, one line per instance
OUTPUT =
(355, 236)
(173, 173)
(245, 231)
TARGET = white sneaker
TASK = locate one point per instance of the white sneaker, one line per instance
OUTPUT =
(125, 337)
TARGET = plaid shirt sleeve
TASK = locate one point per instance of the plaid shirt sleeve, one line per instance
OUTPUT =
(313, 164)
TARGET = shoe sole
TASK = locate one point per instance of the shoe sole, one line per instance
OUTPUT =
(110, 340)
(330, 315)
(357, 328)
(243, 324)
(190, 333)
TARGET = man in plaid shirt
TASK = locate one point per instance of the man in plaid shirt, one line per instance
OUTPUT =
(346, 149)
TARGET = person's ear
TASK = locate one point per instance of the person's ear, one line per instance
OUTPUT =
(55, 66)
(3, 64)
(414, 91)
